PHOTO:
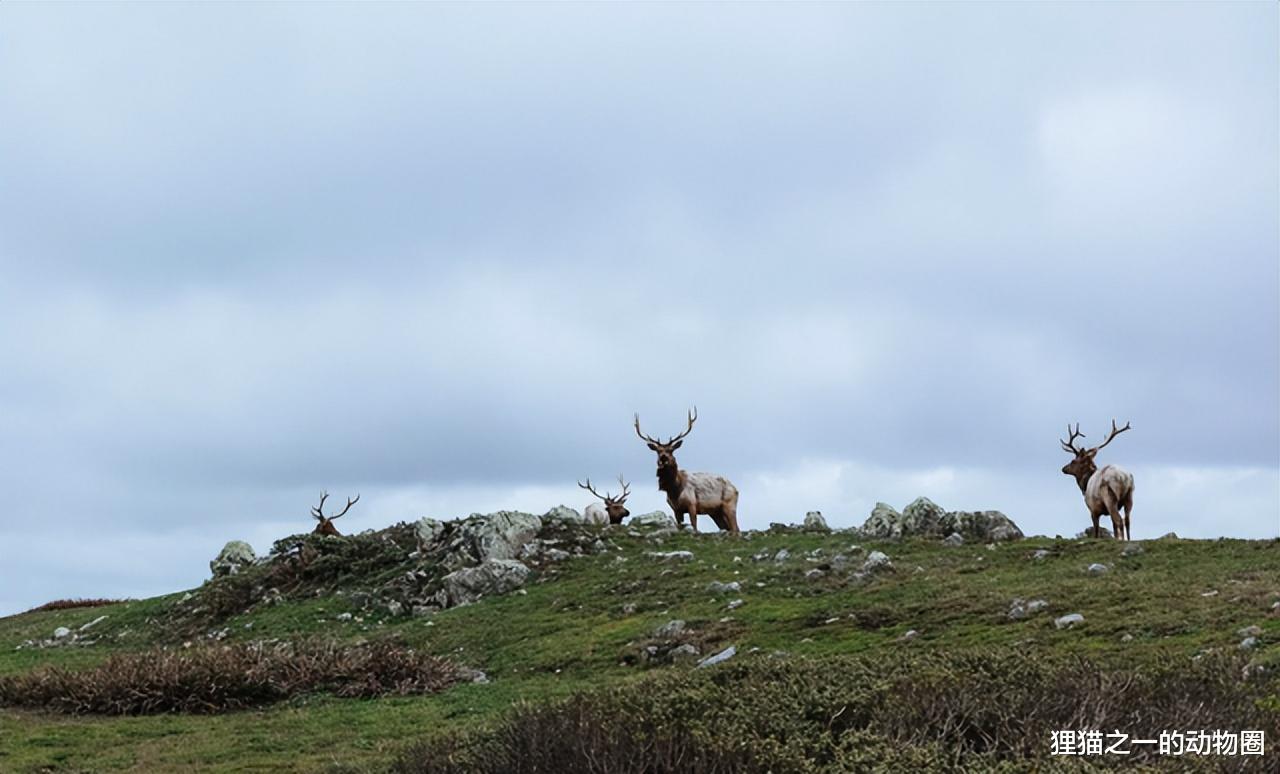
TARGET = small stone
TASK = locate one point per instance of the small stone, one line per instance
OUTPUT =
(61, 633)
(953, 540)
(1249, 643)
(782, 555)
(909, 635)
(669, 629)
(814, 574)
(343, 616)
(682, 652)
(1068, 621)
(1039, 554)
(876, 562)
(1212, 593)
(1249, 631)
(1036, 605)
(1132, 549)
(557, 555)
(735, 604)
(716, 587)
(718, 658)
(629, 608)
(1098, 569)
(1127, 638)
(671, 556)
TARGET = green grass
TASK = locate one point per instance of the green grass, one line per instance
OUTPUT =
(569, 632)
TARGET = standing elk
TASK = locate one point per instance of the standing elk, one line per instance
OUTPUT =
(325, 527)
(693, 493)
(613, 510)
(1107, 489)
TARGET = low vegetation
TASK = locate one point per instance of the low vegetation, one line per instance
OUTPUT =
(71, 604)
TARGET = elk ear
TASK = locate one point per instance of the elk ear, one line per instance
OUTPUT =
(676, 445)
(1090, 453)
(653, 446)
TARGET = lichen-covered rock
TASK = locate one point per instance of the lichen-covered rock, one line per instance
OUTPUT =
(980, 526)
(876, 562)
(813, 522)
(672, 556)
(234, 557)
(925, 518)
(954, 540)
(1103, 533)
(489, 578)
(500, 535)
(1068, 621)
(428, 531)
(653, 519)
(718, 658)
(884, 523)
(562, 513)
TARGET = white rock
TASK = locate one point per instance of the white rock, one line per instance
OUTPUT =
(718, 658)
(1068, 621)
(428, 531)
(782, 555)
(735, 604)
(876, 561)
(671, 556)
(1249, 643)
(669, 629)
(563, 513)
(234, 557)
(1098, 569)
(61, 633)
(102, 618)
(813, 522)
(953, 540)
(716, 587)
(494, 576)
(653, 519)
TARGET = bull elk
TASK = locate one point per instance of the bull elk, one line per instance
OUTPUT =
(325, 527)
(613, 508)
(1107, 489)
(693, 493)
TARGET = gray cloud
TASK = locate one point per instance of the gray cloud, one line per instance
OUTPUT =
(440, 254)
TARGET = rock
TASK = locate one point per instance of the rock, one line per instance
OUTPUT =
(735, 604)
(1249, 631)
(922, 517)
(234, 557)
(493, 576)
(718, 658)
(669, 629)
(909, 635)
(653, 520)
(498, 535)
(814, 574)
(1019, 609)
(1132, 549)
(1249, 643)
(102, 618)
(980, 526)
(716, 587)
(884, 522)
(813, 522)
(629, 608)
(1127, 638)
(61, 633)
(1068, 621)
(395, 608)
(557, 555)
(428, 531)
(1039, 554)
(782, 555)
(671, 556)
(1036, 605)
(1169, 536)
(954, 539)
(877, 562)
(343, 616)
(684, 652)
(1103, 533)
(1098, 569)
(565, 513)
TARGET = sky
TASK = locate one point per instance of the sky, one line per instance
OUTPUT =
(439, 254)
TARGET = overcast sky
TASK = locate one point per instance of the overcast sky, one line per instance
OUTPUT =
(439, 254)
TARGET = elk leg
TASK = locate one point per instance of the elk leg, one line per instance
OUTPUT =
(730, 512)
(693, 519)
(1095, 517)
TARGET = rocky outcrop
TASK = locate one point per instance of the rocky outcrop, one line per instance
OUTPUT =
(493, 576)
(563, 513)
(813, 522)
(653, 519)
(234, 556)
(925, 518)
(501, 535)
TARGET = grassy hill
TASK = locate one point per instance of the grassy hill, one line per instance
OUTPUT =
(587, 623)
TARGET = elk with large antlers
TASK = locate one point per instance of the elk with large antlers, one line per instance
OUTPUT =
(693, 493)
(613, 510)
(1107, 489)
(325, 527)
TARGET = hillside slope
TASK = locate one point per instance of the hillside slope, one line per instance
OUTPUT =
(604, 618)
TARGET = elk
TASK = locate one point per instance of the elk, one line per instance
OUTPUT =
(613, 509)
(325, 527)
(693, 493)
(1107, 489)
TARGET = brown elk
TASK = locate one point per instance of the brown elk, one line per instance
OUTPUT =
(1107, 489)
(693, 493)
(325, 527)
(613, 509)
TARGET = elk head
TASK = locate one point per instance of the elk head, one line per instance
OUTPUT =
(667, 451)
(614, 506)
(1083, 466)
(325, 527)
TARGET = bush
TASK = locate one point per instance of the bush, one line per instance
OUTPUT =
(900, 713)
(69, 604)
(216, 679)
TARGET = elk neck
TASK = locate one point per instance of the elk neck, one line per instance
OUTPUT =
(1082, 478)
(670, 479)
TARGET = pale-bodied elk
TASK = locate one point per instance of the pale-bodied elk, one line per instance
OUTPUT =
(1108, 489)
(612, 511)
(325, 527)
(693, 493)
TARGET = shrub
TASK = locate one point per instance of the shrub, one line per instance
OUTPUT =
(69, 604)
(904, 712)
(216, 679)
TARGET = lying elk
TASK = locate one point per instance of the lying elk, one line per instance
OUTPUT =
(1107, 489)
(613, 509)
(325, 527)
(693, 493)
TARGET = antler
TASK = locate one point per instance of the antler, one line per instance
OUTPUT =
(1114, 432)
(693, 417)
(587, 486)
(1069, 444)
(625, 488)
(318, 511)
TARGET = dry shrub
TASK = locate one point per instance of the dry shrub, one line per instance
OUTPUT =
(902, 712)
(219, 678)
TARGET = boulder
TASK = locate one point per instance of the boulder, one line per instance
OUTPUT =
(1103, 533)
(716, 587)
(491, 577)
(980, 526)
(1068, 621)
(813, 522)
(876, 562)
(718, 658)
(653, 519)
(671, 556)
(1098, 569)
(234, 557)
(954, 540)
(884, 522)
(563, 513)
(669, 629)
(500, 535)
(428, 531)
(923, 517)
